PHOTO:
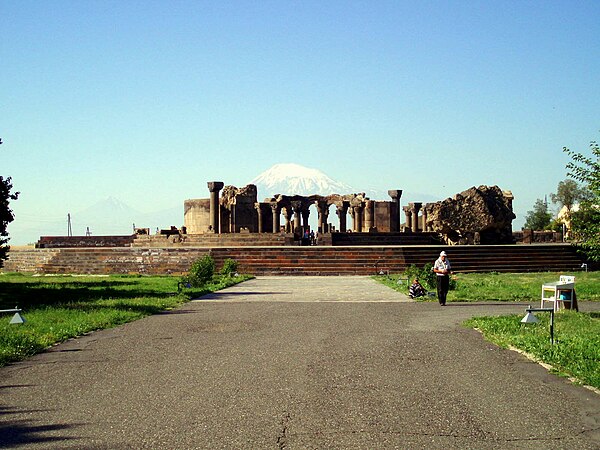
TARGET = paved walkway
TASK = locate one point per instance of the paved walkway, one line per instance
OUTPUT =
(333, 362)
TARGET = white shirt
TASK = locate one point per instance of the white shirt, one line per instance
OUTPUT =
(442, 265)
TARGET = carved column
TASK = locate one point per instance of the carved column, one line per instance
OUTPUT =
(260, 218)
(287, 214)
(305, 213)
(276, 220)
(214, 187)
(342, 211)
(408, 218)
(323, 212)
(415, 207)
(424, 213)
(395, 219)
(296, 206)
(369, 214)
(358, 218)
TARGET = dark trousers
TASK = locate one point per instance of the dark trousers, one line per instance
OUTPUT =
(443, 283)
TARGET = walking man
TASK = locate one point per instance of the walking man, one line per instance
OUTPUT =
(443, 270)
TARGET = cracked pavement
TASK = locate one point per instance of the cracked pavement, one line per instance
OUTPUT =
(295, 363)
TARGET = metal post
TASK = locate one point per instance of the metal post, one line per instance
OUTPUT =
(551, 311)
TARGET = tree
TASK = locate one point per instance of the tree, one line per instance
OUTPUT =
(568, 193)
(6, 214)
(586, 222)
(539, 218)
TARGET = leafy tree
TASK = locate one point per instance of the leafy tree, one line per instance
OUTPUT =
(568, 193)
(538, 218)
(585, 223)
(6, 214)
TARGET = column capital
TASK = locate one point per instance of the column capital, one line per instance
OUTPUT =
(341, 208)
(215, 186)
(395, 193)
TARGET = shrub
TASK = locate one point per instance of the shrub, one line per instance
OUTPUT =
(201, 271)
(425, 275)
(230, 267)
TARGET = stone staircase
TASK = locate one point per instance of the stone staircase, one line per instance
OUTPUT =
(422, 238)
(296, 260)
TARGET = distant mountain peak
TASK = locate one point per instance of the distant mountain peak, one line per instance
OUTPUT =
(295, 179)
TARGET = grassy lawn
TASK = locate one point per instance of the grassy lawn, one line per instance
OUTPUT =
(506, 287)
(576, 352)
(61, 307)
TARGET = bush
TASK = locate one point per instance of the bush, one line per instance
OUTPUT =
(230, 267)
(201, 272)
(425, 275)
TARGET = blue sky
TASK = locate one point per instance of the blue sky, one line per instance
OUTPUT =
(147, 101)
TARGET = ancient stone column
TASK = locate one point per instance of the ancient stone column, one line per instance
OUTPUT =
(287, 214)
(276, 220)
(305, 213)
(342, 211)
(260, 218)
(214, 187)
(323, 212)
(358, 218)
(415, 207)
(424, 213)
(395, 221)
(369, 214)
(408, 218)
(297, 207)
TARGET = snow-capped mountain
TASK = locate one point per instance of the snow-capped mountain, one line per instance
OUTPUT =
(294, 179)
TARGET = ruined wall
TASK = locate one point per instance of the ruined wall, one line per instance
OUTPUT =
(196, 215)
(384, 212)
(240, 203)
(480, 215)
(266, 213)
(84, 241)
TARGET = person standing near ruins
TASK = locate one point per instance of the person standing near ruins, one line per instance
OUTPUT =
(443, 270)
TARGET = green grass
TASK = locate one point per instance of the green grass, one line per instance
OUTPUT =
(61, 307)
(576, 352)
(507, 287)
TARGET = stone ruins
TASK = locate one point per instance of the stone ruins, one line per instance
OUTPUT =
(238, 211)
(480, 215)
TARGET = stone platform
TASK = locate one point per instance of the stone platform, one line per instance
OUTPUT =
(295, 260)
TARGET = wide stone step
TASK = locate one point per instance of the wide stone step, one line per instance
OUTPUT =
(295, 260)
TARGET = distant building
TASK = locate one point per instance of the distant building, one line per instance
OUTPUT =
(564, 217)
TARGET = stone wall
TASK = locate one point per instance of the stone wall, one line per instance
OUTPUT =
(196, 215)
(537, 237)
(384, 213)
(84, 241)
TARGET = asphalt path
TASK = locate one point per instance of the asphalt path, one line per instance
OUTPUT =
(295, 363)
